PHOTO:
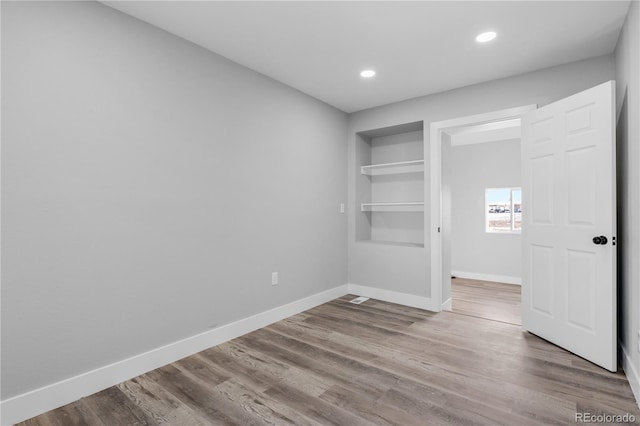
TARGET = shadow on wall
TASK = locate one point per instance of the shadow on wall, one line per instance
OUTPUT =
(622, 175)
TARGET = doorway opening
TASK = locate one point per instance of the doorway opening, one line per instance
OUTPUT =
(482, 211)
(475, 214)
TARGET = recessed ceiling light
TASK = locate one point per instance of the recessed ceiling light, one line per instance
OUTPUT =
(485, 37)
(367, 73)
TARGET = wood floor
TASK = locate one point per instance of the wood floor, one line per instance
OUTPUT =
(486, 299)
(371, 364)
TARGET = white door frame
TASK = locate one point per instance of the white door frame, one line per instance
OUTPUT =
(435, 161)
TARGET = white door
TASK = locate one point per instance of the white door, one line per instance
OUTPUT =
(569, 223)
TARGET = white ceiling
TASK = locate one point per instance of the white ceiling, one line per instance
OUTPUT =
(416, 47)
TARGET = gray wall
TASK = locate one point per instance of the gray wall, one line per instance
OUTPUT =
(149, 189)
(473, 168)
(407, 269)
(627, 57)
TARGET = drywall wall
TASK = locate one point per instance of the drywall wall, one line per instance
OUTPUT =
(149, 189)
(407, 269)
(627, 58)
(473, 169)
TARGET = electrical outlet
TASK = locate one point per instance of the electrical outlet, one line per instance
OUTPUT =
(341, 207)
(274, 278)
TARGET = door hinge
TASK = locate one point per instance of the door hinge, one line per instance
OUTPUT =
(438, 229)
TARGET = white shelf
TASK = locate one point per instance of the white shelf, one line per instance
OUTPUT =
(392, 243)
(393, 207)
(413, 166)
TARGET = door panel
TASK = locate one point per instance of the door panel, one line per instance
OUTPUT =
(568, 288)
(542, 279)
(581, 286)
(581, 191)
(542, 190)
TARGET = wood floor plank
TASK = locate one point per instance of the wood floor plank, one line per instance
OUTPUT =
(376, 363)
(303, 380)
(252, 406)
(485, 299)
(370, 409)
(191, 393)
(160, 404)
(127, 414)
(76, 413)
(340, 370)
(315, 408)
(270, 409)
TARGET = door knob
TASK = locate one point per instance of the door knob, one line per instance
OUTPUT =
(601, 240)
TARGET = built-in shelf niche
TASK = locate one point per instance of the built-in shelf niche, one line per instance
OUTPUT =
(390, 185)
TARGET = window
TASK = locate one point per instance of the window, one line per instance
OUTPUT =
(503, 210)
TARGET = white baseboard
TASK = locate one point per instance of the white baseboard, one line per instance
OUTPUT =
(488, 277)
(395, 297)
(632, 374)
(446, 305)
(33, 403)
